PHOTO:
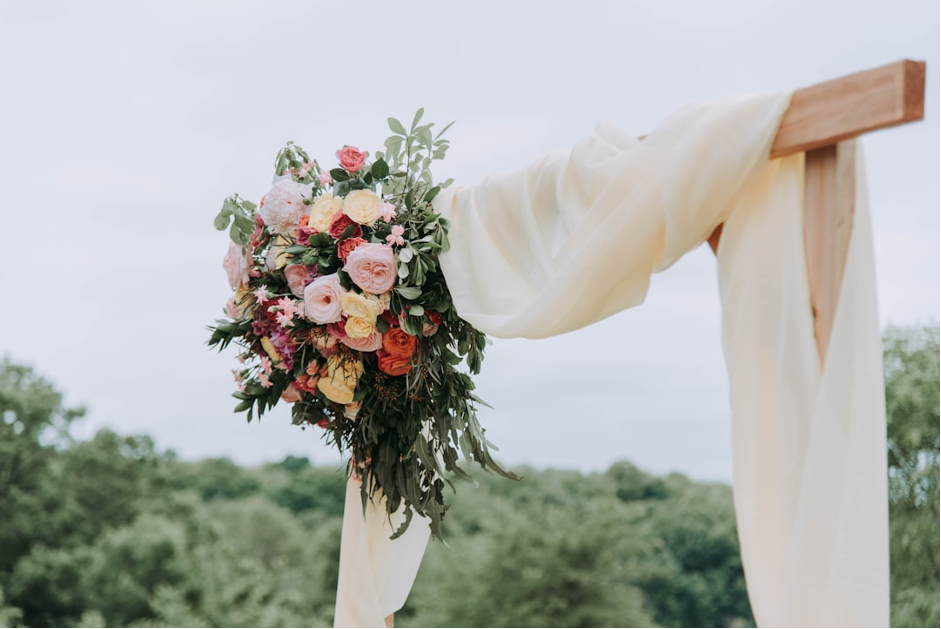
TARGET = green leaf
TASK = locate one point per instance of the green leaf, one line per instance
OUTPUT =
(408, 292)
(406, 254)
(431, 194)
(339, 174)
(380, 169)
(221, 221)
(417, 118)
(396, 126)
(416, 311)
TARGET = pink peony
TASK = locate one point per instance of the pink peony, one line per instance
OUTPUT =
(299, 276)
(322, 299)
(236, 265)
(367, 344)
(284, 205)
(351, 159)
(371, 266)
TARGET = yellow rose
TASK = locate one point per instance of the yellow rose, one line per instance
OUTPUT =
(343, 373)
(360, 306)
(322, 211)
(357, 328)
(242, 304)
(277, 257)
(362, 206)
(268, 346)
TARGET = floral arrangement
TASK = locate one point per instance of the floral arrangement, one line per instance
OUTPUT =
(339, 307)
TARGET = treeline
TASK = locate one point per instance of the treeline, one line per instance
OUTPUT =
(111, 532)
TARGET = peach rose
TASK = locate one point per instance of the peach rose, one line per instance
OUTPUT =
(351, 159)
(299, 276)
(366, 344)
(371, 266)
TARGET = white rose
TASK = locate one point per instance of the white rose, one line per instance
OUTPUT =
(284, 205)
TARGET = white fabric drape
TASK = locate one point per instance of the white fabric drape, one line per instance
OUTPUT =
(574, 237)
(376, 573)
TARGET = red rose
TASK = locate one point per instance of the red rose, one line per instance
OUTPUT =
(346, 246)
(351, 159)
(435, 317)
(339, 224)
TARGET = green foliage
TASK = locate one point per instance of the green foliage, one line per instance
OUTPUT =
(912, 392)
(110, 532)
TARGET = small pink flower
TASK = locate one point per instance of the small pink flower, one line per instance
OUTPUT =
(351, 159)
(395, 238)
(284, 320)
(265, 364)
(287, 306)
(386, 211)
(264, 380)
(261, 294)
(325, 178)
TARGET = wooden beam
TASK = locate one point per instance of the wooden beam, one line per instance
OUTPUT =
(844, 108)
(849, 106)
(829, 207)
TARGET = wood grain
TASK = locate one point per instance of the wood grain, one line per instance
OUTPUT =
(829, 208)
(844, 108)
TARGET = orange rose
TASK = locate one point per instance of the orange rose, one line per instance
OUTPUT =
(399, 343)
(395, 357)
(393, 365)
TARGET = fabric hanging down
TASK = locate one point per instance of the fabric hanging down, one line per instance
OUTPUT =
(574, 237)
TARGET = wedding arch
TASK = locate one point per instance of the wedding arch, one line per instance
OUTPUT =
(775, 184)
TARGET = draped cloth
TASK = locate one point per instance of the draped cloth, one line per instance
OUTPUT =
(574, 237)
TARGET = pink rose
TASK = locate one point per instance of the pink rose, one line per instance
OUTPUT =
(339, 224)
(291, 394)
(299, 276)
(231, 309)
(371, 266)
(351, 158)
(236, 265)
(367, 344)
(322, 299)
(344, 247)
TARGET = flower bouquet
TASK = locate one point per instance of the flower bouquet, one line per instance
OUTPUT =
(340, 308)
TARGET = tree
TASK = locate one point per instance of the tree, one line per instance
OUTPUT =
(912, 400)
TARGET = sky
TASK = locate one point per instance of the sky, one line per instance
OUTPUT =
(125, 124)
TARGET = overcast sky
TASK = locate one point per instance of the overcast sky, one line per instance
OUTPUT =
(125, 124)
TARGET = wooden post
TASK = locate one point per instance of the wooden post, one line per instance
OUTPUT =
(829, 205)
(822, 120)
